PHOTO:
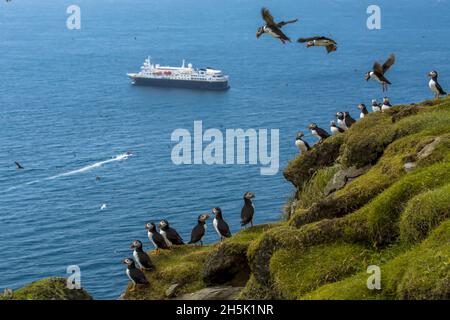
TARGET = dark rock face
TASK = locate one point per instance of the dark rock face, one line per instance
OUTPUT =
(228, 264)
(213, 293)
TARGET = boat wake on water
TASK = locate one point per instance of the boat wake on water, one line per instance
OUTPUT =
(120, 157)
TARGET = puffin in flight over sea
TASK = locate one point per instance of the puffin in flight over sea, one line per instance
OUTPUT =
(318, 132)
(153, 235)
(328, 43)
(386, 104)
(379, 70)
(134, 274)
(222, 228)
(335, 129)
(199, 230)
(273, 28)
(248, 210)
(18, 165)
(170, 234)
(376, 107)
(142, 259)
(301, 144)
(435, 86)
(363, 109)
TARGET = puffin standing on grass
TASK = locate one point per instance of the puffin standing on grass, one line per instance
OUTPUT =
(272, 28)
(386, 104)
(318, 132)
(301, 144)
(376, 107)
(335, 129)
(142, 259)
(170, 234)
(340, 120)
(134, 274)
(378, 71)
(222, 228)
(199, 230)
(363, 109)
(348, 120)
(153, 235)
(435, 86)
(248, 210)
(328, 43)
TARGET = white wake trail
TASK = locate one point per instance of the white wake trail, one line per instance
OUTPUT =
(120, 157)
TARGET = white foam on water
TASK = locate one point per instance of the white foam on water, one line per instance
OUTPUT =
(120, 157)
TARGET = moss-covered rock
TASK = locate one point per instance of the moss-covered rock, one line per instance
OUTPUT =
(421, 273)
(49, 289)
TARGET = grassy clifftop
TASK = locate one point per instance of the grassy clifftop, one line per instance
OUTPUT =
(378, 194)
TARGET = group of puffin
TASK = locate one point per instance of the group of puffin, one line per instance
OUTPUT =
(167, 237)
(274, 29)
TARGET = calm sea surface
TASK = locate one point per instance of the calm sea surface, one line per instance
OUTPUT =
(66, 107)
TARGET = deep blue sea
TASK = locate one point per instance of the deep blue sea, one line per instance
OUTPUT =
(66, 106)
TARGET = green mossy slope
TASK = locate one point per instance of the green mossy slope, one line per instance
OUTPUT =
(395, 215)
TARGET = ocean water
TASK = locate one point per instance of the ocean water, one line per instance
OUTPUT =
(67, 108)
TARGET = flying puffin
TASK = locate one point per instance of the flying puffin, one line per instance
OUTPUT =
(199, 230)
(222, 228)
(142, 259)
(153, 235)
(386, 104)
(301, 144)
(18, 165)
(376, 107)
(273, 28)
(248, 210)
(340, 120)
(435, 86)
(170, 234)
(363, 109)
(335, 129)
(348, 120)
(379, 70)
(134, 274)
(318, 132)
(328, 43)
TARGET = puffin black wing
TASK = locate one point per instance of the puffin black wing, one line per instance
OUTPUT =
(283, 23)
(247, 213)
(268, 17)
(322, 133)
(18, 165)
(308, 147)
(340, 130)
(144, 260)
(381, 69)
(331, 48)
(173, 236)
(197, 233)
(302, 40)
(389, 62)
(159, 241)
(439, 88)
(223, 228)
(138, 276)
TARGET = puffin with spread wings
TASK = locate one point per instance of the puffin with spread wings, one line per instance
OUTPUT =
(328, 43)
(273, 28)
(379, 70)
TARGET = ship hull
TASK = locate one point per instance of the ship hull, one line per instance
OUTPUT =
(184, 84)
